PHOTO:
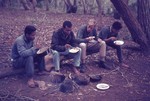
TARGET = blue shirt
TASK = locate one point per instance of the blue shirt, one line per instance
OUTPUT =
(22, 48)
(106, 33)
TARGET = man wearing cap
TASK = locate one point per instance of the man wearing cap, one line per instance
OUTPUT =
(89, 43)
(109, 34)
(23, 54)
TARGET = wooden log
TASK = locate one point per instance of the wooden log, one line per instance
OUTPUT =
(11, 73)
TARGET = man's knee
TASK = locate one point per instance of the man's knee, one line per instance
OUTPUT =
(82, 45)
(102, 43)
(29, 59)
(55, 53)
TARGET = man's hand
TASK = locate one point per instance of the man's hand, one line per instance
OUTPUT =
(67, 46)
(90, 38)
(112, 38)
(100, 40)
(37, 46)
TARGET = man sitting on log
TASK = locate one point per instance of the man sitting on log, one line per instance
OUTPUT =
(62, 41)
(109, 35)
(24, 54)
(87, 37)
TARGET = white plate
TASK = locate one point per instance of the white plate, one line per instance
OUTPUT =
(92, 37)
(93, 41)
(119, 42)
(102, 86)
(40, 51)
(74, 50)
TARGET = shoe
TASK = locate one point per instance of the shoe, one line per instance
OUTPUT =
(58, 71)
(43, 73)
(103, 65)
(82, 68)
(32, 84)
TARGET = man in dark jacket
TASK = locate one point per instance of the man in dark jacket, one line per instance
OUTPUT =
(62, 41)
(24, 54)
(109, 34)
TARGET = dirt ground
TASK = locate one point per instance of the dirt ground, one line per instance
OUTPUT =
(126, 84)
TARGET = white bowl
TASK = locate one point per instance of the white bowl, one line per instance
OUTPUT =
(74, 50)
(42, 50)
(92, 37)
(119, 42)
(92, 41)
(102, 86)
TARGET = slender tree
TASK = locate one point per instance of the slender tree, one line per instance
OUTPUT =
(71, 8)
(99, 6)
(84, 7)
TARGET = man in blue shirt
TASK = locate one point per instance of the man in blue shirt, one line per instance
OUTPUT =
(109, 35)
(23, 54)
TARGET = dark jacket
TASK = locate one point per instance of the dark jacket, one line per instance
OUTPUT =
(60, 39)
(106, 33)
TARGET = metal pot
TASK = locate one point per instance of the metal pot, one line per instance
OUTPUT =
(95, 78)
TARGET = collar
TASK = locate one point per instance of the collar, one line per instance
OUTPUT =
(64, 35)
(25, 39)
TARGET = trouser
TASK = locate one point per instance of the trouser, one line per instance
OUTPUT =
(56, 58)
(29, 63)
(118, 49)
(93, 48)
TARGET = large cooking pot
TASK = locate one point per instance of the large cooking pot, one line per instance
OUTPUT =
(67, 86)
(81, 79)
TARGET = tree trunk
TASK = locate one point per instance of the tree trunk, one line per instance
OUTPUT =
(25, 4)
(144, 16)
(6, 3)
(47, 3)
(99, 7)
(71, 8)
(116, 14)
(132, 24)
(84, 7)
(99, 3)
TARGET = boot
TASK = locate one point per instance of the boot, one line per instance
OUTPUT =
(82, 68)
(103, 65)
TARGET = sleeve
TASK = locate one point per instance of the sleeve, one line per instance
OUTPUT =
(103, 34)
(74, 41)
(80, 36)
(23, 51)
(55, 43)
(95, 34)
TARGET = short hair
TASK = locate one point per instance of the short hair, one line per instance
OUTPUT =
(92, 22)
(116, 25)
(67, 23)
(29, 29)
